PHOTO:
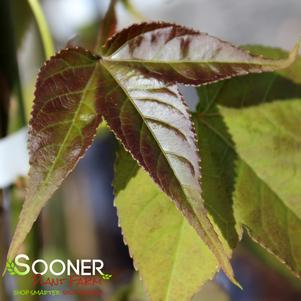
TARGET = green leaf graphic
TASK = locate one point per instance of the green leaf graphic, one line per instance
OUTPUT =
(106, 276)
(11, 268)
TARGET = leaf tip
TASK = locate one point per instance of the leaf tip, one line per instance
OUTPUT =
(230, 274)
(295, 51)
(236, 283)
(292, 55)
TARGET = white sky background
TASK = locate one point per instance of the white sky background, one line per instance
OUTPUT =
(14, 157)
(272, 22)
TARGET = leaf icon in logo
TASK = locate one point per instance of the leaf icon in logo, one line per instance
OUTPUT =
(11, 268)
(106, 276)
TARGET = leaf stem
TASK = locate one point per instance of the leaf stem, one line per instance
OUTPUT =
(43, 27)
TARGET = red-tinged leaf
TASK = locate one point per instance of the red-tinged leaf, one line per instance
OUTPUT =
(151, 120)
(108, 26)
(64, 119)
(176, 54)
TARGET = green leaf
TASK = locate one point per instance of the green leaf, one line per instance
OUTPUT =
(172, 261)
(180, 55)
(268, 139)
(268, 193)
(217, 164)
(215, 143)
(64, 120)
(268, 220)
(216, 146)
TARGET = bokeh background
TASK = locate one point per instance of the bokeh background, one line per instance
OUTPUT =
(81, 221)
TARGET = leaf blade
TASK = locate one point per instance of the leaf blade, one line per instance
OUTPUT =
(217, 165)
(180, 55)
(108, 26)
(64, 120)
(152, 225)
(265, 145)
(277, 228)
(251, 91)
(161, 139)
(271, 214)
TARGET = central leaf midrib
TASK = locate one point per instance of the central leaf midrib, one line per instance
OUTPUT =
(142, 61)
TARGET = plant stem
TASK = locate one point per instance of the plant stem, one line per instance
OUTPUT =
(43, 28)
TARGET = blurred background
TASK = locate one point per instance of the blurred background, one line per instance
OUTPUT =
(81, 221)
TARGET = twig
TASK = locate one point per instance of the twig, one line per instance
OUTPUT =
(43, 27)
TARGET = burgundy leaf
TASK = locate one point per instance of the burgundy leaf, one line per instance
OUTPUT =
(108, 26)
(65, 117)
(176, 54)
